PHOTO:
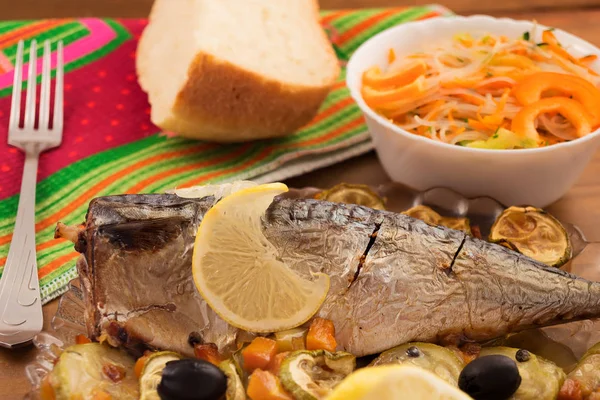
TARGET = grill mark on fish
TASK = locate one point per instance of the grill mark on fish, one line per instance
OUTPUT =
(372, 238)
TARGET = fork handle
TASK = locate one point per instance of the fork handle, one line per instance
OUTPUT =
(20, 302)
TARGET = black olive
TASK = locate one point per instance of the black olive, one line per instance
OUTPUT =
(192, 379)
(494, 377)
(522, 355)
(413, 352)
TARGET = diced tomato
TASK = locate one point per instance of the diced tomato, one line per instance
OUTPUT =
(259, 353)
(208, 352)
(263, 385)
(321, 335)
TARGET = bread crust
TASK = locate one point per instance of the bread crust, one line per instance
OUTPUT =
(222, 102)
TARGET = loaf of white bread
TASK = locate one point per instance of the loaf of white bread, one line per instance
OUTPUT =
(235, 70)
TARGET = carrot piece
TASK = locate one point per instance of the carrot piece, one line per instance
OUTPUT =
(208, 352)
(82, 339)
(531, 90)
(478, 125)
(554, 44)
(376, 98)
(102, 396)
(473, 99)
(512, 60)
(589, 58)
(391, 56)
(139, 365)
(263, 385)
(276, 361)
(374, 78)
(321, 335)
(259, 353)
(46, 389)
(523, 123)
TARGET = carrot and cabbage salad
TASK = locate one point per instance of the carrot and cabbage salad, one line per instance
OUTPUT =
(489, 92)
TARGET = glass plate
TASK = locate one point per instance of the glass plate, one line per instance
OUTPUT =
(564, 344)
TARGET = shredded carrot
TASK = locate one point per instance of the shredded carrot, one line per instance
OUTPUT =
(391, 56)
(589, 58)
(483, 81)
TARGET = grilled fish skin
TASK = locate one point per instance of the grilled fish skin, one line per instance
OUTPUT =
(394, 279)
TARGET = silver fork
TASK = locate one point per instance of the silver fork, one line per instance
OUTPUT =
(20, 302)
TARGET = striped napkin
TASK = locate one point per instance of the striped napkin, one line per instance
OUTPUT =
(110, 146)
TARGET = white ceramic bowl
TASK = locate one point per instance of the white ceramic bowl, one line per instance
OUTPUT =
(532, 176)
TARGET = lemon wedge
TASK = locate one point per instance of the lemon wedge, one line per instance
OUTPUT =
(391, 382)
(238, 271)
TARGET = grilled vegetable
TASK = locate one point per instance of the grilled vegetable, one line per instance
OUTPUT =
(259, 353)
(152, 373)
(361, 195)
(431, 217)
(192, 379)
(492, 377)
(275, 364)
(439, 360)
(83, 370)
(291, 339)
(584, 379)
(263, 385)
(321, 335)
(235, 387)
(208, 352)
(541, 379)
(311, 375)
(534, 233)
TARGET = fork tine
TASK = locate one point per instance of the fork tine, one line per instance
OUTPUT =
(45, 94)
(31, 87)
(15, 105)
(57, 124)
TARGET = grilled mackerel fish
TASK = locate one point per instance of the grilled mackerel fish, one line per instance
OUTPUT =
(394, 279)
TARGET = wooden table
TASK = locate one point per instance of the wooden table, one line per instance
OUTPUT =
(580, 206)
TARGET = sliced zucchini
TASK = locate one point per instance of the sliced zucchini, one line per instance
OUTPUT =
(427, 215)
(291, 339)
(437, 359)
(540, 379)
(85, 370)
(353, 194)
(312, 375)
(235, 387)
(533, 233)
(152, 373)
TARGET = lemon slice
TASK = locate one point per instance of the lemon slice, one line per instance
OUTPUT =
(219, 191)
(238, 272)
(391, 382)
